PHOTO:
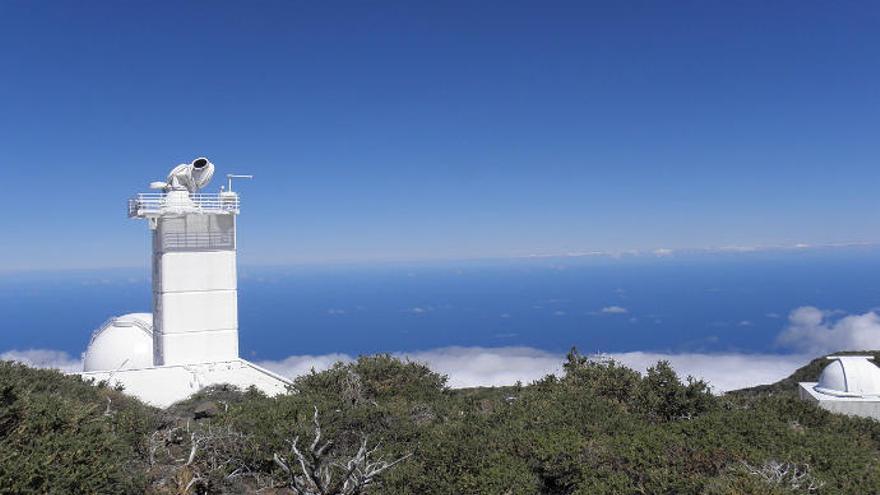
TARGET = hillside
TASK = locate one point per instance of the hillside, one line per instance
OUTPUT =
(601, 428)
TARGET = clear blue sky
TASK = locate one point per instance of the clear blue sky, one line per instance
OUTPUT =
(408, 130)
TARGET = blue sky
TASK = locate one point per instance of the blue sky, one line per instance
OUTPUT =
(412, 130)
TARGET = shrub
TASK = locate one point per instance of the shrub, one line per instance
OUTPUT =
(59, 434)
(662, 396)
(602, 428)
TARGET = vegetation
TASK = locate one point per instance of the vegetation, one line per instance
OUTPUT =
(60, 435)
(599, 428)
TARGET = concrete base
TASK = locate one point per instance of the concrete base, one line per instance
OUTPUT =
(866, 407)
(162, 386)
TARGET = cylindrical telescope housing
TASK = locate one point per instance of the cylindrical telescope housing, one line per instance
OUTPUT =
(200, 170)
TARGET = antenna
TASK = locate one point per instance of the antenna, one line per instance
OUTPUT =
(229, 178)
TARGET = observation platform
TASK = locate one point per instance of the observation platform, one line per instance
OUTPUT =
(146, 205)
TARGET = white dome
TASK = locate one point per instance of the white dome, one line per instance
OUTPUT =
(124, 342)
(850, 376)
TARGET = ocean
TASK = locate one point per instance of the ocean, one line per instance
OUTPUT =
(724, 302)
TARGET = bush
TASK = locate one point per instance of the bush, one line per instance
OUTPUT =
(659, 395)
(606, 377)
(601, 428)
(662, 396)
(59, 434)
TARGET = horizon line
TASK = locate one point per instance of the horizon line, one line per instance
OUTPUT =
(653, 253)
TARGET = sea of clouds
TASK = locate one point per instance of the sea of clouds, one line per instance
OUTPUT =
(809, 332)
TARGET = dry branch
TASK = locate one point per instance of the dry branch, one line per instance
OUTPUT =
(319, 474)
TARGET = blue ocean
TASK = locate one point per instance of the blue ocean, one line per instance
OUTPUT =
(703, 302)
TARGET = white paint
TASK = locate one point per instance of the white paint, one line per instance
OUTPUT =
(866, 407)
(850, 376)
(164, 385)
(194, 286)
(197, 311)
(191, 338)
(186, 348)
(123, 342)
(195, 271)
(848, 385)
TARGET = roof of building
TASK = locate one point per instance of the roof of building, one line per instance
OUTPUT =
(123, 342)
(850, 376)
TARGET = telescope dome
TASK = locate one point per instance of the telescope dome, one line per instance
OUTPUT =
(850, 376)
(123, 342)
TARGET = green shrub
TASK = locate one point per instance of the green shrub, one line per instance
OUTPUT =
(59, 434)
(601, 428)
(662, 396)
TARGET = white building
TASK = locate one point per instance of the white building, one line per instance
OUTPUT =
(191, 338)
(848, 385)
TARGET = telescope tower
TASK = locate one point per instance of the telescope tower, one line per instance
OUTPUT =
(190, 340)
(195, 293)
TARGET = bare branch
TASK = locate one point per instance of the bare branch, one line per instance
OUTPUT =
(194, 443)
(315, 475)
(317, 430)
(796, 477)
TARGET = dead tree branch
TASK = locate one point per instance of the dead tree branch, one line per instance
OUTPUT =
(795, 477)
(319, 474)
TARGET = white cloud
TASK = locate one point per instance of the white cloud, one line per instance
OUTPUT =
(488, 366)
(738, 249)
(614, 310)
(300, 365)
(495, 366)
(466, 366)
(724, 372)
(815, 331)
(810, 332)
(418, 310)
(660, 252)
(43, 358)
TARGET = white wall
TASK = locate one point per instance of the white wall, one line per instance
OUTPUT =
(195, 296)
(163, 386)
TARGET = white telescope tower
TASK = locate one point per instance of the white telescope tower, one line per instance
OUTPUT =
(191, 338)
(195, 293)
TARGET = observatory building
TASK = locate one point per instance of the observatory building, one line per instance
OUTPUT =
(848, 385)
(190, 340)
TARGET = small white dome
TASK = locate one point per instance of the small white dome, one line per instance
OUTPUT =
(123, 342)
(850, 376)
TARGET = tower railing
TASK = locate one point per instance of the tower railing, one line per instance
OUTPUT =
(145, 204)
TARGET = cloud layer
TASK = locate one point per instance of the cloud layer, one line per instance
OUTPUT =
(724, 372)
(465, 366)
(482, 366)
(814, 331)
(615, 310)
(43, 358)
(810, 331)
(494, 366)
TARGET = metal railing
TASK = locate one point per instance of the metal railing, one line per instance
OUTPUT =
(154, 203)
(115, 320)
